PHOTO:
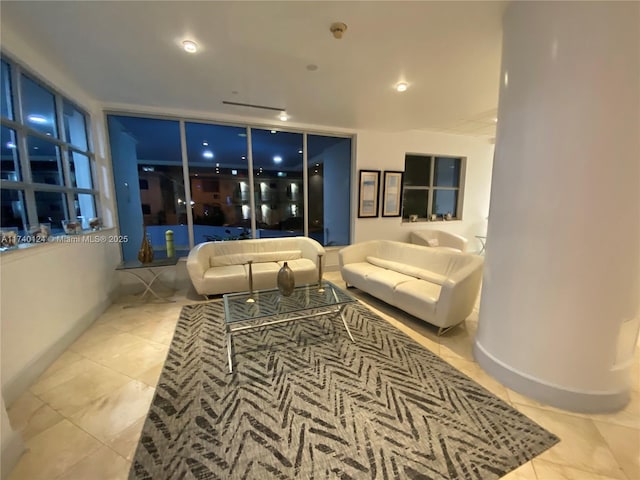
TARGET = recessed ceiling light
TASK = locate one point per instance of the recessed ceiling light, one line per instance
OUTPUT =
(283, 117)
(190, 46)
(299, 151)
(234, 172)
(242, 134)
(277, 159)
(207, 154)
(205, 144)
(273, 131)
(37, 119)
(243, 157)
(402, 86)
(11, 145)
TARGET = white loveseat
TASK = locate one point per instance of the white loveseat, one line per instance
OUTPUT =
(439, 239)
(437, 286)
(223, 267)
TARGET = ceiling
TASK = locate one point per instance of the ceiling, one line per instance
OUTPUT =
(258, 53)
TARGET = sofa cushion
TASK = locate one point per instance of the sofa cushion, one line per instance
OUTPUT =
(264, 274)
(433, 242)
(418, 297)
(222, 278)
(406, 269)
(382, 284)
(256, 257)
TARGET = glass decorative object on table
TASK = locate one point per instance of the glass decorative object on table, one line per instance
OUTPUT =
(286, 280)
(71, 227)
(9, 238)
(95, 223)
(145, 254)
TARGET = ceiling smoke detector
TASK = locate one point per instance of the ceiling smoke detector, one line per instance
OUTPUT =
(338, 28)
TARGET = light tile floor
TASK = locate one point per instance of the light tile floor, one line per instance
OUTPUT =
(82, 418)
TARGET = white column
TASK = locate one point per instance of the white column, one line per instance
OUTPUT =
(559, 314)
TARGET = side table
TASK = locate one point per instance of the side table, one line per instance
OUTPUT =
(483, 241)
(148, 273)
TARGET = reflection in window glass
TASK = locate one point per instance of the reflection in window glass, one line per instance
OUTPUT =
(75, 126)
(415, 202)
(13, 215)
(6, 102)
(147, 151)
(417, 170)
(445, 201)
(44, 158)
(85, 207)
(10, 167)
(447, 172)
(329, 178)
(51, 208)
(279, 189)
(218, 172)
(38, 107)
(442, 176)
(80, 168)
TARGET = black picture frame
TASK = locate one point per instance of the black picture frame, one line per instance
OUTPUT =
(392, 193)
(368, 193)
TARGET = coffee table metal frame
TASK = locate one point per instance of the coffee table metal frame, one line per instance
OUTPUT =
(249, 306)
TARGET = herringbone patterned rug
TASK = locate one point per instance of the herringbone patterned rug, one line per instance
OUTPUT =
(307, 403)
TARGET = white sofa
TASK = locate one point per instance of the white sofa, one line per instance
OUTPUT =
(222, 267)
(437, 286)
(439, 239)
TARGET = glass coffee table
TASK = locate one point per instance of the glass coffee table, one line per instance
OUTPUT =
(248, 311)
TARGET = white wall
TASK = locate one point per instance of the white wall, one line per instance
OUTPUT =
(50, 293)
(386, 151)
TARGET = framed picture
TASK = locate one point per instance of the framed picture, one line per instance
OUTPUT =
(392, 194)
(368, 193)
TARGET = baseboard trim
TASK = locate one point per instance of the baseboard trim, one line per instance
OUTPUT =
(553, 395)
(12, 450)
(15, 386)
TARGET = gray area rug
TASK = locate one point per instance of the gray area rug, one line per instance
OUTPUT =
(307, 403)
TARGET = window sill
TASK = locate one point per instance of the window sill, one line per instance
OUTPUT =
(424, 221)
(85, 237)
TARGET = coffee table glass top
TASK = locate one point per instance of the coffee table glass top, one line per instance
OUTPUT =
(238, 307)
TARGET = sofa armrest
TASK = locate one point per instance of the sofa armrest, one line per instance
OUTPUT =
(358, 252)
(198, 263)
(310, 249)
(459, 293)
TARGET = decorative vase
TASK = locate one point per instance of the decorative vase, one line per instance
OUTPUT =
(171, 249)
(286, 281)
(145, 254)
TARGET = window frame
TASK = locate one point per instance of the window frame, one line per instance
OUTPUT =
(430, 187)
(23, 131)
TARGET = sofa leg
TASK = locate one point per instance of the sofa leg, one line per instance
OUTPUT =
(443, 330)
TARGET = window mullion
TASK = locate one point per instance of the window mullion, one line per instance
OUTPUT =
(187, 181)
(432, 170)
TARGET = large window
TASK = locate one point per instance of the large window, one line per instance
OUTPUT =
(432, 188)
(47, 166)
(210, 182)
